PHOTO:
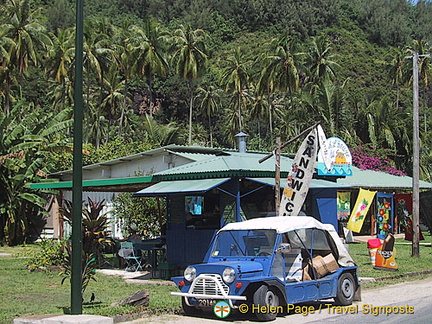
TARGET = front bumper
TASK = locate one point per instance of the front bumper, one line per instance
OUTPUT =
(209, 286)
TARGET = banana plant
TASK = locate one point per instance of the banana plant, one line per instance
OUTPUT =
(27, 136)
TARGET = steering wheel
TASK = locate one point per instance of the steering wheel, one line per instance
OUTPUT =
(264, 254)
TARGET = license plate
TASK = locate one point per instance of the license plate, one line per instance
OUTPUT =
(206, 302)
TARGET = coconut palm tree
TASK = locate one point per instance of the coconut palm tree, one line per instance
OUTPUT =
(280, 73)
(190, 60)
(6, 79)
(27, 33)
(161, 134)
(210, 98)
(115, 102)
(59, 66)
(98, 57)
(425, 71)
(321, 63)
(148, 50)
(235, 78)
(398, 72)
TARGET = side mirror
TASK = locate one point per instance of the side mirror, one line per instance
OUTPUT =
(283, 248)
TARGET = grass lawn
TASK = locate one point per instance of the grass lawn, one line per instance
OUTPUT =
(405, 262)
(24, 292)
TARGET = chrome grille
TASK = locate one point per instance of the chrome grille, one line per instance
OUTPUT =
(209, 284)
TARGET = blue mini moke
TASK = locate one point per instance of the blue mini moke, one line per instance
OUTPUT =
(272, 262)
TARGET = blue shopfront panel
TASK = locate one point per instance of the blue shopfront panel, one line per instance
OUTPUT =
(324, 205)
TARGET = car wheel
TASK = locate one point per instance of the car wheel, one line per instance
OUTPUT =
(190, 310)
(346, 289)
(266, 296)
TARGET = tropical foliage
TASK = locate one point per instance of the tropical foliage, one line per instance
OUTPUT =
(199, 72)
(27, 136)
(147, 214)
(95, 240)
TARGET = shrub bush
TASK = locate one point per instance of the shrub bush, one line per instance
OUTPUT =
(51, 253)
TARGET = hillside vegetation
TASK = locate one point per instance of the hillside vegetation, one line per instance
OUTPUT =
(197, 72)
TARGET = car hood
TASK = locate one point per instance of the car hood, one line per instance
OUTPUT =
(238, 266)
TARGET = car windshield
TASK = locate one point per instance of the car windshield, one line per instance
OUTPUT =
(244, 243)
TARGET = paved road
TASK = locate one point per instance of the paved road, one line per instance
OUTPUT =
(413, 298)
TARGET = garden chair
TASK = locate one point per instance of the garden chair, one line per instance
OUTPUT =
(127, 252)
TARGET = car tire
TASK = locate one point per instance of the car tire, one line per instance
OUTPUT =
(190, 310)
(346, 289)
(266, 296)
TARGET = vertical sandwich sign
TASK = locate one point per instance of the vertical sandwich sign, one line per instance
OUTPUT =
(300, 176)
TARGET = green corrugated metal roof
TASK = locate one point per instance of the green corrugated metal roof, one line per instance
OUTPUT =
(181, 186)
(315, 183)
(379, 180)
(89, 185)
(234, 164)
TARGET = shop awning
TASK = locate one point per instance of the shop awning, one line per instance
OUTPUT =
(114, 185)
(181, 186)
(315, 183)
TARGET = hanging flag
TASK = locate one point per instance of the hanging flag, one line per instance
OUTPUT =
(300, 176)
(360, 210)
(343, 205)
(324, 152)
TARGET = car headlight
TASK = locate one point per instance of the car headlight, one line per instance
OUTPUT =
(190, 273)
(228, 275)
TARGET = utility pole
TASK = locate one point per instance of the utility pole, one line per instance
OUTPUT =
(416, 159)
(76, 277)
(277, 175)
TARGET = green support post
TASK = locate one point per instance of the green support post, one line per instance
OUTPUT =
(76, 282)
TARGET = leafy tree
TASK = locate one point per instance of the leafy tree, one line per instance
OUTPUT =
(60, 15)
(27, 32)
(210, 103)
(94, 240)
(60, 56)
(320, 62)
(190, 60)
(147, 213)
(6, 77)
(148, 50)
(398, 72)
(26, 137)
(235, 78)
(280, 72)
(116, 100)
(161, 134)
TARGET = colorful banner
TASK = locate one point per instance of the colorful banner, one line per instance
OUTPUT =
(384, 215)
(404, 215)
(300, 176)
(343, 205)
(360, 210)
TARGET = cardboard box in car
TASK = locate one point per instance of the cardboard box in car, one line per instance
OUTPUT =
(306, 275)
(324, 265)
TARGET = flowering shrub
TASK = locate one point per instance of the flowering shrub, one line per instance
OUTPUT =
(366, 157)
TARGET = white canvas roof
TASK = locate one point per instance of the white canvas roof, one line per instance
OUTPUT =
(283, 224)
